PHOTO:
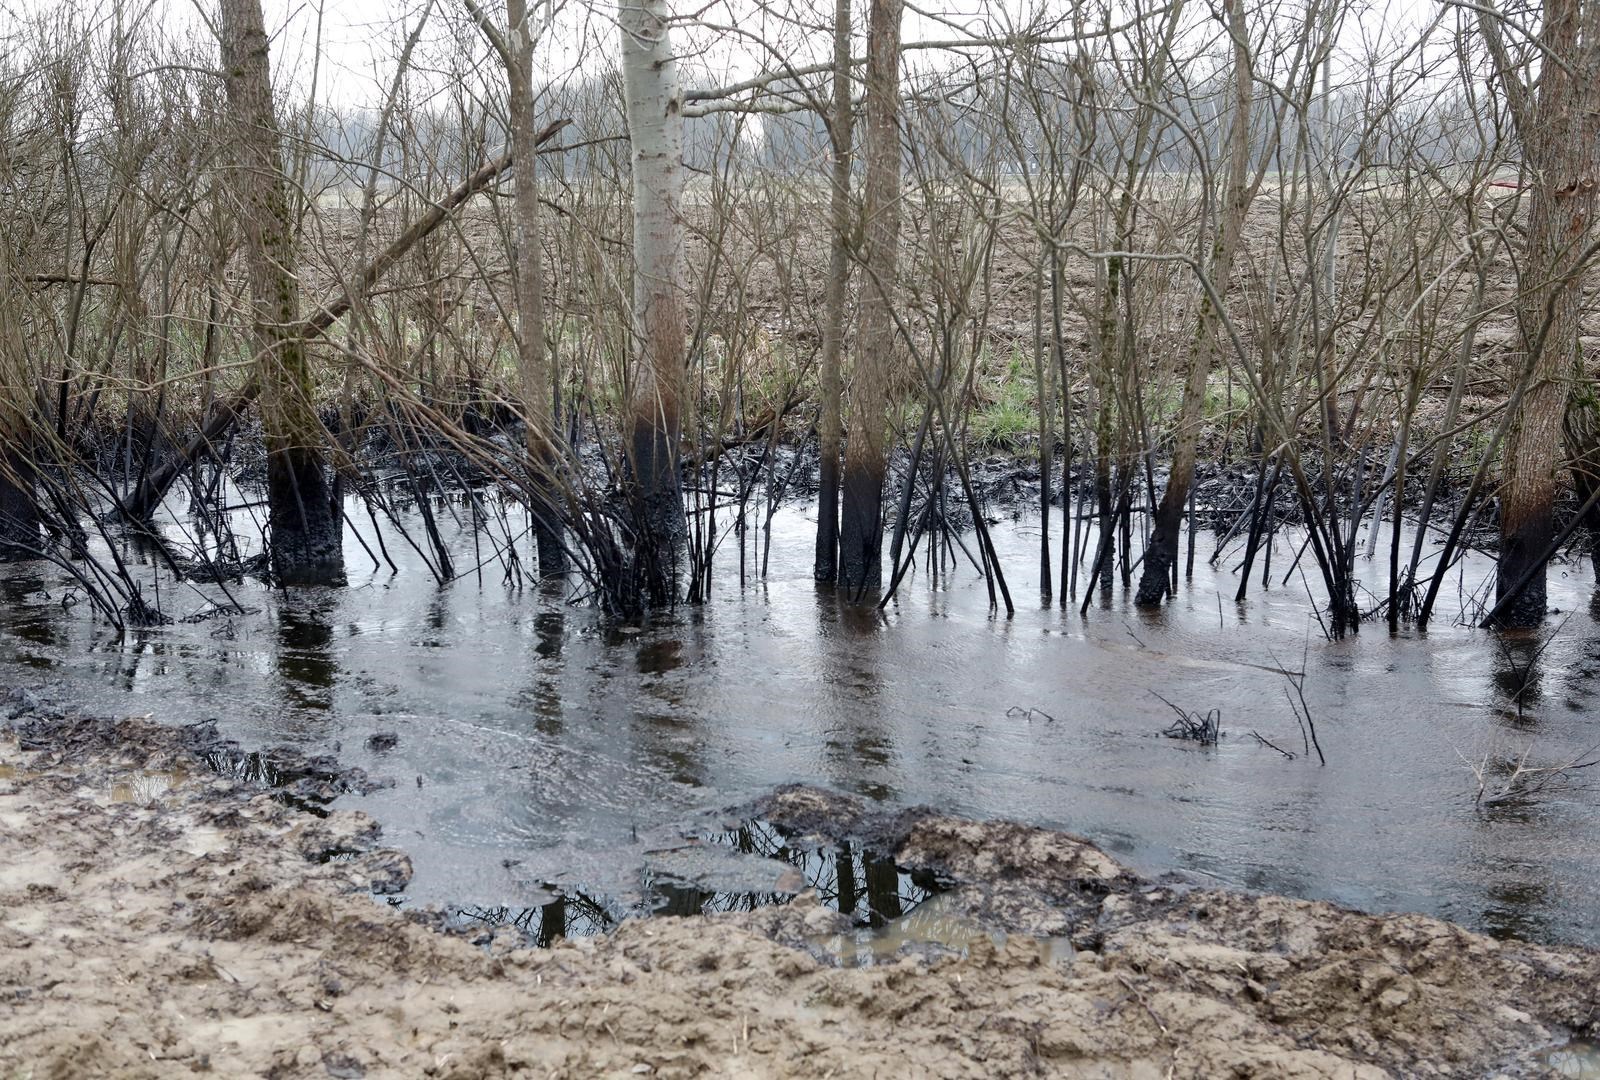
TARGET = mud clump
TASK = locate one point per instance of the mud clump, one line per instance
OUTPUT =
(70, 738)
(158, 920)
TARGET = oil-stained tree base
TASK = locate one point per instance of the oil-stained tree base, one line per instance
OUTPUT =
(19, 514)
(304, 521)
(655, 486)
(1523, 551)
(1155, 579)
(861, 531)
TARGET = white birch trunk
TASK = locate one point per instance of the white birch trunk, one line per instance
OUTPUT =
(655, 128)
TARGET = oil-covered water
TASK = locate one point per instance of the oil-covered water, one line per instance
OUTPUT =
(540, 743)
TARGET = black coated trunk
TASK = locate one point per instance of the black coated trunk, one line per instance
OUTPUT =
(1523, 547)
(860, 531)
(547, 519)
(304, 520)
(547, 538)
(1161, 555)
(826, 565)
(19, 513)
(655, 483)
(1103, 569)
(658, 511)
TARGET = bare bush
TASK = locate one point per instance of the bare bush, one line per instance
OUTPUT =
(1505, 776)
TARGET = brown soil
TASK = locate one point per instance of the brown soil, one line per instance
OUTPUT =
(157, 920)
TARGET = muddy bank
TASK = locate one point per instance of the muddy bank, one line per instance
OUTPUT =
(160, 919)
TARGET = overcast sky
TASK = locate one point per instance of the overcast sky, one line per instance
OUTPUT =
(726, 40)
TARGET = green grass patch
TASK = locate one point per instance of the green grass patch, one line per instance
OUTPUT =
(1006, 416)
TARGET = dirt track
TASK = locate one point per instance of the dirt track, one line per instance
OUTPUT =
(156, 920)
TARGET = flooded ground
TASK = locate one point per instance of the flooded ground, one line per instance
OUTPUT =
(205, 926)
(534, 744)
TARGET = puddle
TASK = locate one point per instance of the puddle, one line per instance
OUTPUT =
(750, 866)
(145, 786)
(140, 787)
(937, 924)
(1579, 1059)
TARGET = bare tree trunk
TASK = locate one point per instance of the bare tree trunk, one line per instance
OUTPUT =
(303, 522)
(866, 459)
(1581, 420)
(19, 513)
(1162, 553)
(655, 129)
(1102, 363)
(533, 358)
(1043, 374)
(841, 131)
(1560, 143)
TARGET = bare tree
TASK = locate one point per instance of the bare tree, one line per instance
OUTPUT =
(19, 512)
(1556, 126)
(655, 130)
(515, 48)
(1161, 553)
(830, 428)
(866, 452)
(304, 523)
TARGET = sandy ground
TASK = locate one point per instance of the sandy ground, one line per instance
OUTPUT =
(157, 920)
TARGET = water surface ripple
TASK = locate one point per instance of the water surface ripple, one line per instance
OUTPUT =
(539, 742)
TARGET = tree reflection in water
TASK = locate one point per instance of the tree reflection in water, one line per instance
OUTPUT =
(861, 883)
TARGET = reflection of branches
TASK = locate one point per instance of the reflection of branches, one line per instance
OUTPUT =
(842, 877)
(757, 837)
(873, 888)
(303, 784)
(1523, 673)
(574, 914)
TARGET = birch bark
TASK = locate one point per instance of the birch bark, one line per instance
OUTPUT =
(654, 105)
